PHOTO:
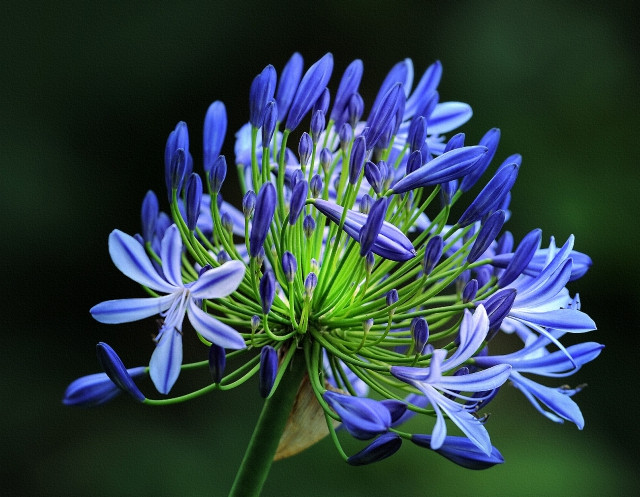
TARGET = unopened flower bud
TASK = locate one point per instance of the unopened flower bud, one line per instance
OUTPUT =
(268, 370)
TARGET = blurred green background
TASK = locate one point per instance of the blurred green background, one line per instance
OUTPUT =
(90, 92)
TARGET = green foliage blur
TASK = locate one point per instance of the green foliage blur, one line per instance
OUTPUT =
(89, 93)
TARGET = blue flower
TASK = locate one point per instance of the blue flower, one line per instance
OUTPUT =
(131, 259)
(434, 385)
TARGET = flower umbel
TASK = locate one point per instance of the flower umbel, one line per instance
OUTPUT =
(346, 264)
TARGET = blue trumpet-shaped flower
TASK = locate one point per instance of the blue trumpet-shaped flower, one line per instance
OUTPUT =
(434, 385)
(363, 418)
(130, 258)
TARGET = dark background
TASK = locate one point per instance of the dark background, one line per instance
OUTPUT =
(89, 93)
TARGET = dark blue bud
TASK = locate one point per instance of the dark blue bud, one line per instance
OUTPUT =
(311, 87)
(217, 362)
(462, 280)
(193, 200)
(305, 148)
(371, 229)
(488, 232)
(428, 105)
(288, 84)
(269, 120)
(382, 447)
(369, 262)
(261, 91)
(420, 334)
(310, 283)
(346, 135)
(296, 177)
(255, 323)
(149, 215)
(470, 290)
(388, 174)
(308, 225)
(355, 109)
(456, 141)
(268, 370)
(227, 222)
(95, 389)
(385, 115)
(217, 174)
(372, 173)
(483, 275)
(322, 103)
(356, 160)
(432, 254)
(289, 266)
(260, 257)
(215, 128)
(392, 297)
(267, 290)
(248, 204)
(400, 73)
(498, 307)
(316, 185)
(462, 451)
(265, 207)
(365, 203)
(491, 196)
(317, 125)
(414, 162)
(505, 202)
(223, 257)
(521, 257)
(348, 86)
(177, 172)
(178, 139)
(489, 140)
(417, 133)
(505, 243)
(447, 190)
(325, 159)
(451, 165)
(116, 371)
(298, 198)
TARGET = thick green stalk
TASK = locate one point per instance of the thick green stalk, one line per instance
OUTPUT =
(257, 460)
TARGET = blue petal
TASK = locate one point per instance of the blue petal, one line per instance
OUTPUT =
(219, 282)
(448, 116)
(428, 83)
(480, 381)
(171, 254)
(164, 367)
(127, 310)
(213, 330)
(562, 319)
(473, 331)
(363, 418)
(131, 259)
(559, 402)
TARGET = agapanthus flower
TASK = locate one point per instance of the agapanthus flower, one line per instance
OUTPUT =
(342, 284)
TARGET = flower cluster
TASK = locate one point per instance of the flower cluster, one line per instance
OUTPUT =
(346, 256)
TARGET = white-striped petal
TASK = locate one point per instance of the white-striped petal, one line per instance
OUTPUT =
(127, 310)
(171, 254)
(213, 330)
(219, 282)
(131, 259)
(164, 367)
(448, 116)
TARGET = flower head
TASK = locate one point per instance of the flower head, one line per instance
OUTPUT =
(348, 267)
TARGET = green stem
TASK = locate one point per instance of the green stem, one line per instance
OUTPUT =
(257, 460)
